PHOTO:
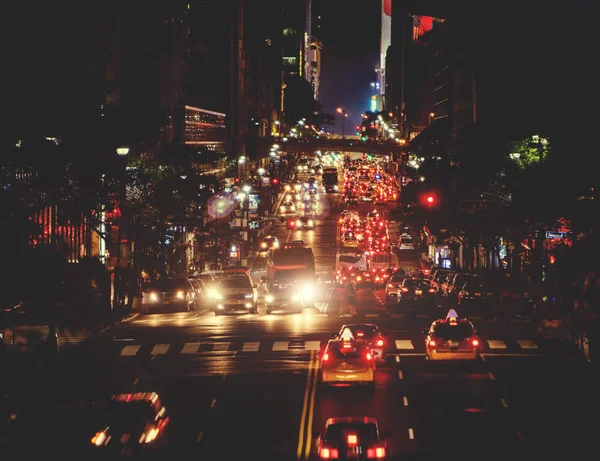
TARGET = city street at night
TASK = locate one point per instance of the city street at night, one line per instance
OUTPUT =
(254, 378)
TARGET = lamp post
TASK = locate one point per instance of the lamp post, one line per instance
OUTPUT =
(245, 204)
(344, 116)
(117, 282)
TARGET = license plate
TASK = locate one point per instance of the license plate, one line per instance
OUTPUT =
(454, 344)
(477, 294)
(418, 292)
(235, 302)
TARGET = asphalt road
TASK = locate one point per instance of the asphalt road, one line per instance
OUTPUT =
(246, 387)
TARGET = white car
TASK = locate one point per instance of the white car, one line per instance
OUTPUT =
(393, 285)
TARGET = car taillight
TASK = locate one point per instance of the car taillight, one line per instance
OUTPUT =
(369, 356)
(374, 453)
(475, 342)
(390, 285)
(404, 290)
(329, 453)
(325, 357)
(431, 343)
(379, 342)
(352, 440)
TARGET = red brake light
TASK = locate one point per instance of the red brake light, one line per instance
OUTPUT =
(475, 342)
(329, 453)
(380, 342)
(404, 289)
(369, 356)
(431, 290)
(360, 333)
(352, 440)
(378, 452)
(431, 343)
(347, 346)
(325, 357)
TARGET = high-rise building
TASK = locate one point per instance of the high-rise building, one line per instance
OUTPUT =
(386, 41)
(301, 47)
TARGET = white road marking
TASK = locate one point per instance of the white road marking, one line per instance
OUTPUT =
(397, 359)
(404, 344)
(372, 316)
(190, 348)
(199, 436)
(400, 374)
(503, 402)
(527, 344)
(496, 344)
(135, 381)
(281, 345)
(405, 400)
(130, 350)
(213, 403)
(160, 349)
(312, 345)
(411, 434)
(251, 347)
(221, 347)
(491, 375)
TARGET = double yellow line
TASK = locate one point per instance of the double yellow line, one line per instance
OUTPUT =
(308, 409)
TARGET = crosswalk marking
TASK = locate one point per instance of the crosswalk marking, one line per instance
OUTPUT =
(527, 344)
(130, 350)
(404, 344)
(160, 349)
(220, 347)
(312, 345)
(250, 347)
(281, 345)
(190, 348)
(372, 316)
(496, 344)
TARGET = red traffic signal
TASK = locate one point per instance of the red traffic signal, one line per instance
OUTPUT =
(430, 199)
(275, 181)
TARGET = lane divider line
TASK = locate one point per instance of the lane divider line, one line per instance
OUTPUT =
(503, 402)
(213, 403)
(400, 374)
(311, 411)
(411, 434)
(405, 400)
(305, 408)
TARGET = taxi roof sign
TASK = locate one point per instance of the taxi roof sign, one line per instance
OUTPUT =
(452, 314)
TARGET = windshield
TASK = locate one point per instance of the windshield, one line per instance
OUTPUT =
(349, 259)
(167, 285)
(338, 433)
(235, 282)
(454, 332)
(291, 256)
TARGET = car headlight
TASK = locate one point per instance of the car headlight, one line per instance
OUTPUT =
(281, 208)
(298, 223)
(308, 291)
(153, 297)
(263, 245)
(248, 296)
(269, 298)
(180, 295)
(214, 294)
(296, 298)
(310, 222)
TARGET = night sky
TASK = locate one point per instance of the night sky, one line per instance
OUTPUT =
(351, 39)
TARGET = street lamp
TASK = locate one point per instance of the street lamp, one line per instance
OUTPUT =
(344, 116)
(116, 279)
(122, 150)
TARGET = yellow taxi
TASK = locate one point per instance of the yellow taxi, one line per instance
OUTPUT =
(452, 338)
(347, 362)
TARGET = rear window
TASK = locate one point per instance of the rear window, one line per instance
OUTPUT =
(397, 278)
(368, 331)
(454, 332)
(338, 433)
(412, 283)
(354, 353)
(349, 259)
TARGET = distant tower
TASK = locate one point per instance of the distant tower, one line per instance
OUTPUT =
(386, 41)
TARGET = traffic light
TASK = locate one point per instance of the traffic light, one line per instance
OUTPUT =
(275, 181)
(364, 138)
(430, 199)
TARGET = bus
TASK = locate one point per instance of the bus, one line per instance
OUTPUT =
(329, 178)
(354, 258)
(291, 261)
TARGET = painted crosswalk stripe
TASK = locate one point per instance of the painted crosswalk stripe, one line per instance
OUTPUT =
(281, 345)
(496, 344)
(527, 344)
(404, 344)
(130, 350)
(312, 345)
(160, 349)
(190, 348)
(372, 316)
(250, 346)
(220, 347)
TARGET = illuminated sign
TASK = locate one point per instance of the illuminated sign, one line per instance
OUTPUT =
(373, 103)
(556, 235)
